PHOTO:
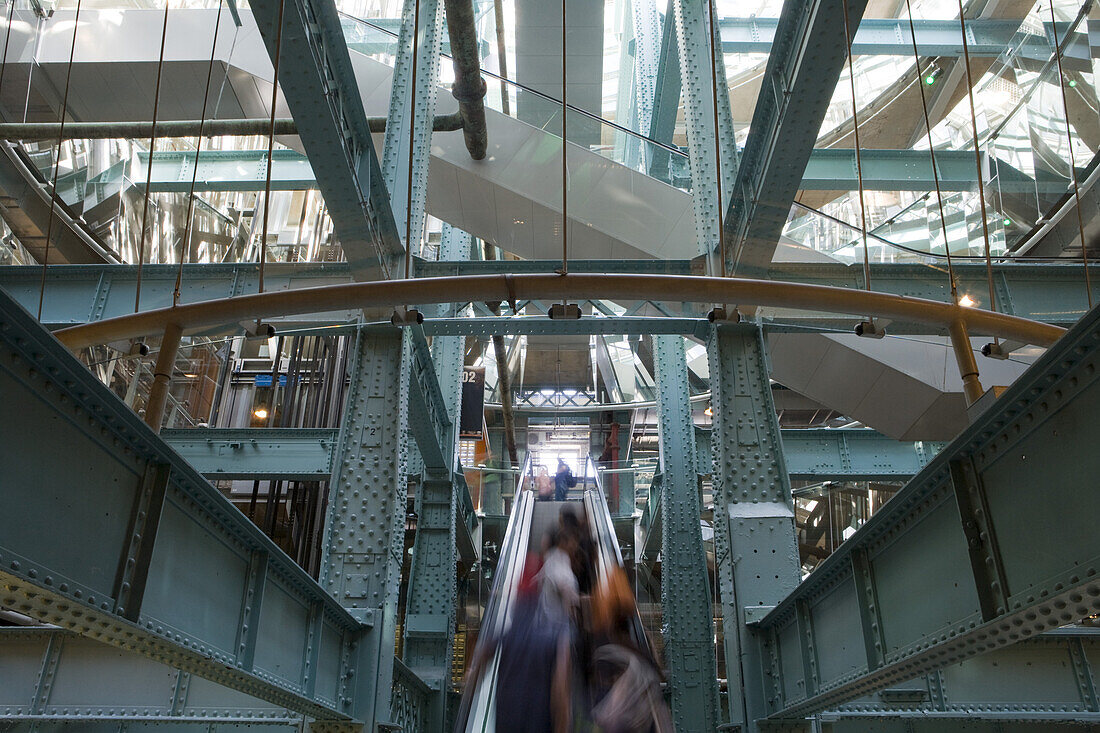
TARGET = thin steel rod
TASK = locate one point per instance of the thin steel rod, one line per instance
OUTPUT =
(412, 139)
(152, 149)
(1072, 165)
(859, 154)
(564, 153)
(554, 286)
(502, 55)
(57, 160)
(270, 140)
(932, 153)
(185, 244)
(978, 163)
(717, 140)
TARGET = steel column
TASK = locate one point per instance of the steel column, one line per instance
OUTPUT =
(407, 114)
(432, 594)
(685, 595)
(695, 35)
(756, 556)
(364, 527)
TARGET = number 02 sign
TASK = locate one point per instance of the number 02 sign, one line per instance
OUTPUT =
(473, 402)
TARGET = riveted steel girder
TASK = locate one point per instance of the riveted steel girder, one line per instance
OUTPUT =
(688, 626)
(696, 34)
(1007, 507)
(801, 74)
(756, 557)
(407, 147)
(125, 542)
(364, 526)
(317, 79)
(430, 606)
(57, 677)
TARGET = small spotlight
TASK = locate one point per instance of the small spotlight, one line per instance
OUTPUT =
(931, 77)
(709, 412)
(967, 302)
(1072, 83)
(1006, 221)
(260, 413)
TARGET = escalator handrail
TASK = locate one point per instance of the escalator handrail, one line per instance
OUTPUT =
(510, 563)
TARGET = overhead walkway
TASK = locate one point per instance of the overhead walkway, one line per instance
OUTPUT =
(529, 524)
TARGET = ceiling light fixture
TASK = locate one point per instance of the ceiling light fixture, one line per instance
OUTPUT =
(260, 412)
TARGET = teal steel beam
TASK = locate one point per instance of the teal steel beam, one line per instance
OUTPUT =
(1008, 507)
(306, 454)
(318, 82)
(225, 170)
(828, 169)
(125, 542)
(1049, 292)
(54, 676)
(283, 454)
(688, 627)
(364, 525)
(798, 83)
(986, 37)
(666, 93)
(822, 454)
(755, 552)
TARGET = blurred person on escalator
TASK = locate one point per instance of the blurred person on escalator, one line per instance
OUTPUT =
(625, 678)
(582, 550)
(543, 485)
(533, 681)
(563, 481)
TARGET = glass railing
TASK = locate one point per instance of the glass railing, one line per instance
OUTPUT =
(609, 140)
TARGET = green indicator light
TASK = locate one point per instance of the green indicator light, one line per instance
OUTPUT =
(1072, 83)
(1007, 222)
(930, 79)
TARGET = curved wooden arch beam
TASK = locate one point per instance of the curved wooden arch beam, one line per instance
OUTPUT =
(554, 287)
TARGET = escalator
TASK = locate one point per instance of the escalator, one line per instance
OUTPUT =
(528, 526)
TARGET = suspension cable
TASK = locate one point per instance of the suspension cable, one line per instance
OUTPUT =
(1072, 164)
(859, 156)
(978, 166)
(57, 160)
(185, 245)
(412, 140)
(271, 139)
(152, 150)
(717, 138)
(932, 153)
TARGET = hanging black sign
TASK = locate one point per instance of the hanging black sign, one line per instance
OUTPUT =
(473, 402)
